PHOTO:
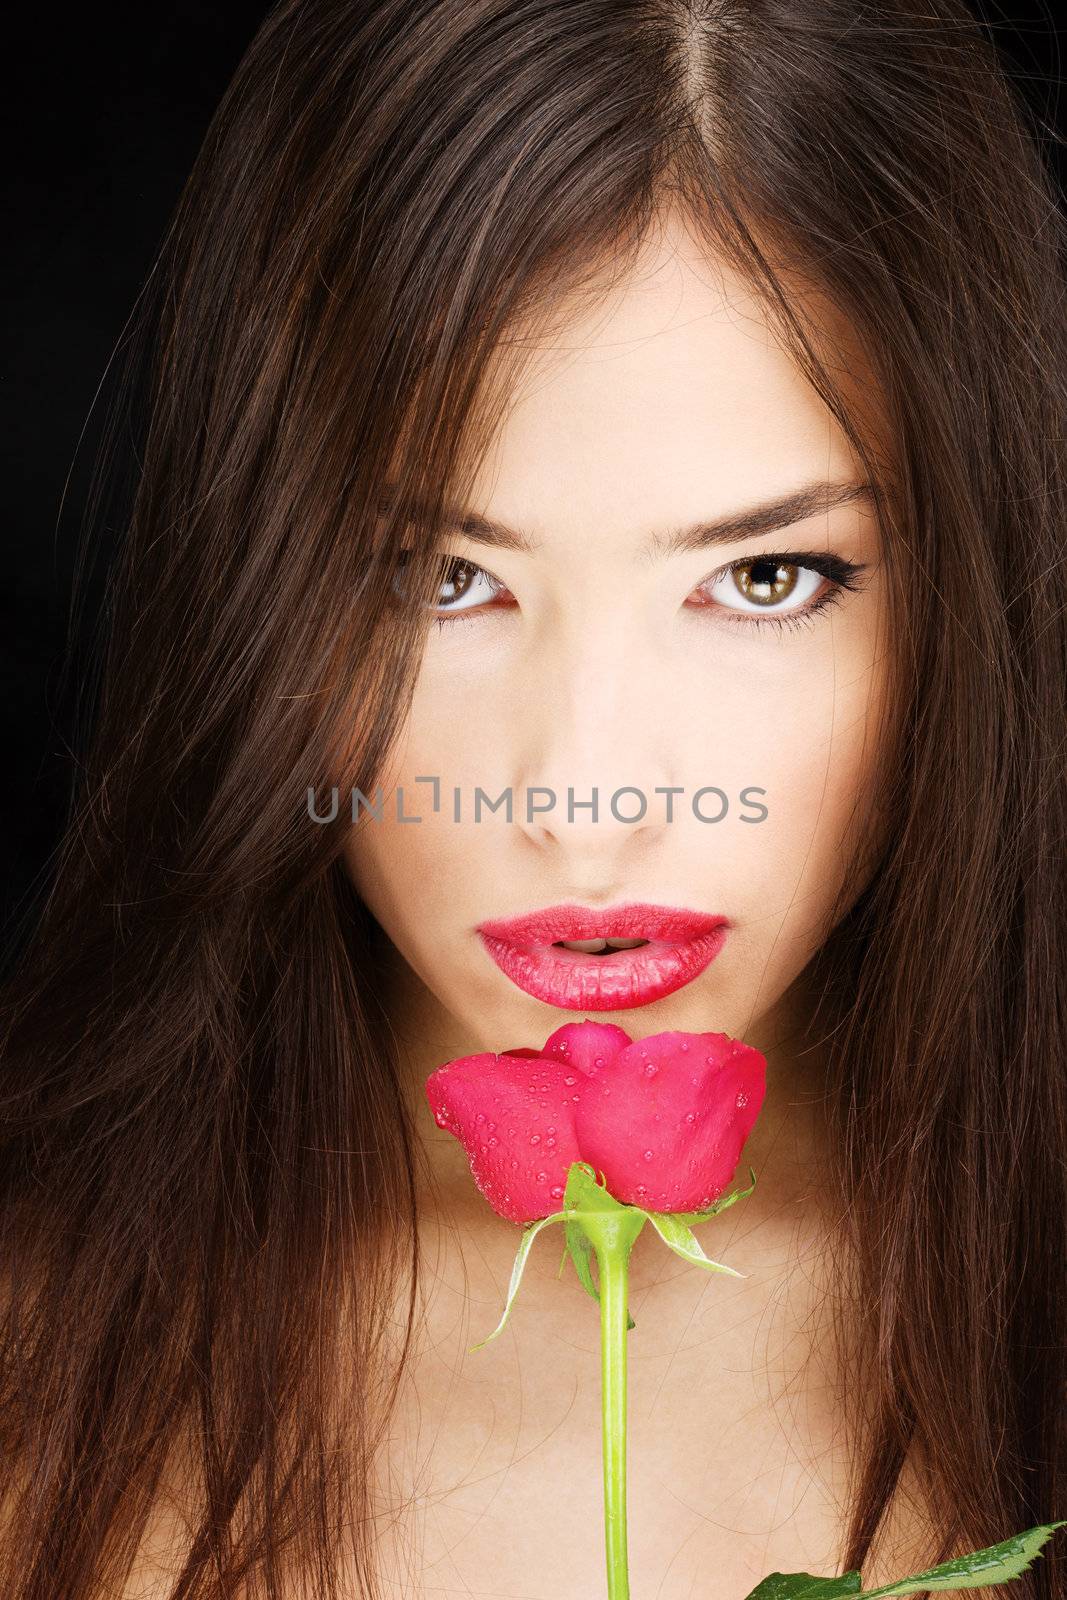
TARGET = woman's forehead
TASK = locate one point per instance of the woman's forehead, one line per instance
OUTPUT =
(673, 399)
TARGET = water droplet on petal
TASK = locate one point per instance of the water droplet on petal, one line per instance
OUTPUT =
(480, 1117)
(684, 1045)
(570, 1082)
(690, 1116)
(648, 1155)
(514, 1164)
(542, 1177)
(650, 1069)
(742, 1099)
(535, 1138)
(493, 1139)
(598, 1061)
(641, 1190)
(556, 1191)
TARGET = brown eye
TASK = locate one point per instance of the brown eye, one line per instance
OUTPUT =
(766, 581)
(770, 583)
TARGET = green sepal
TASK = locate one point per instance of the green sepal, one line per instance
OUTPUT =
(584, 1191)
(691, 1218)
(529, 1233)
(980, 1569)
(580, 1250)
(673, 1231)
(586, 1196)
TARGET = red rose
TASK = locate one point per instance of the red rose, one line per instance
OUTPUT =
(664, 1119)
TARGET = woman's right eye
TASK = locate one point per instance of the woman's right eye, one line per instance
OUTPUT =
(465, 586)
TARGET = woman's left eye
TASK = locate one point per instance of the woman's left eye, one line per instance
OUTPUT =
(783, 590)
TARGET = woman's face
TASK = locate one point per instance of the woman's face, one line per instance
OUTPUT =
(608, 644)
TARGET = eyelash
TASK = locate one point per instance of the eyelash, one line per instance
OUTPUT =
(844, 575)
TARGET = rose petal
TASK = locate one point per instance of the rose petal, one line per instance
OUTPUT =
(667, 1121)
(515, 1120)
(587, 1045)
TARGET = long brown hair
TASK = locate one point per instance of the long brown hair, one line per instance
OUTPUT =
(209, 1171)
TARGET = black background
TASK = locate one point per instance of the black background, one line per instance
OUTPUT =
(105, 111)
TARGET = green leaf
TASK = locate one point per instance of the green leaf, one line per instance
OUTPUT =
(996, 1563)
(802, 1586)
(691, 1218)
(529, 1233)
(674, 1232)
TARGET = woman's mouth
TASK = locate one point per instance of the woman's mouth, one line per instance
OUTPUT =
(581, 959)
(597, 947)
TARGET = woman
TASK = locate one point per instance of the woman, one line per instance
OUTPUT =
(729, 338)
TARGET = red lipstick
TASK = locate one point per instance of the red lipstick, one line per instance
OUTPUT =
(680, 944)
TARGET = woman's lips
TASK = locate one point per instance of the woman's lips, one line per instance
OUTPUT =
(681, 943)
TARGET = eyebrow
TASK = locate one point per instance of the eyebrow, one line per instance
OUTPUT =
(808, 500)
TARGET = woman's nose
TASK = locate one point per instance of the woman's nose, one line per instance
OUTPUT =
(594, 761)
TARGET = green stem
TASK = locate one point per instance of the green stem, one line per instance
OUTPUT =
(612, 1234)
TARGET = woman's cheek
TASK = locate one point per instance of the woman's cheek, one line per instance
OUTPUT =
(806, 734)
(822, 822)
